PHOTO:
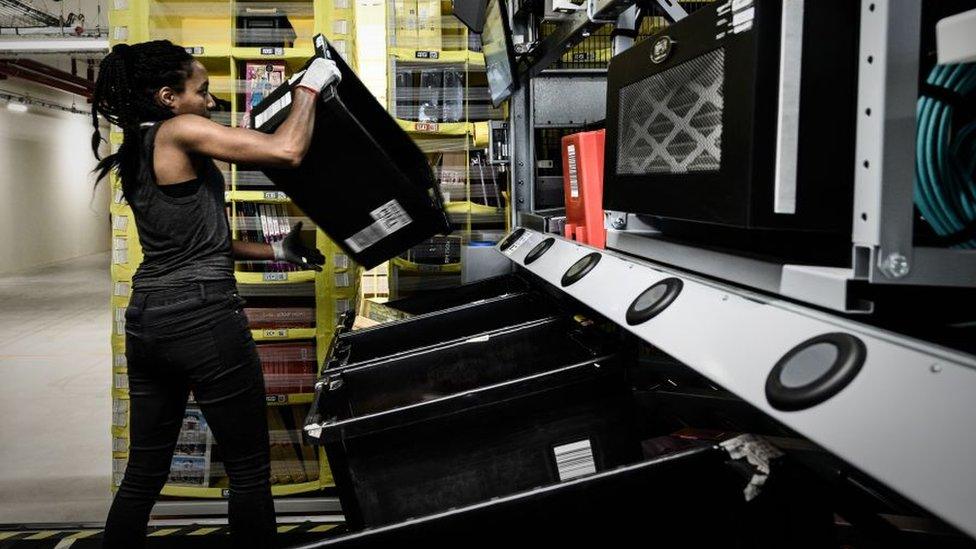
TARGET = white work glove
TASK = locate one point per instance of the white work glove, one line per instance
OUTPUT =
(293, 251)
(321, 73)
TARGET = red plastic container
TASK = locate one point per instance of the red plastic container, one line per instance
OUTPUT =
(583, 187)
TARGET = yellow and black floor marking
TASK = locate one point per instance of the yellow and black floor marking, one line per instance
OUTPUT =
(172, 536)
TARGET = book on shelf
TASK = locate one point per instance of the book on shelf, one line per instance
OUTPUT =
(191, 458)
(289, 368)
(264, 223)
(260, 79)
(259, 318)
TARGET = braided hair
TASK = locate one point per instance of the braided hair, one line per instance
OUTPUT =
(128, 79)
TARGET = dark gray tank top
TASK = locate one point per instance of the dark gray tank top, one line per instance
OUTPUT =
(185, 239)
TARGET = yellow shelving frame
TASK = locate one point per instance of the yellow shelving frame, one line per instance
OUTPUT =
(131, 21)
(473, 135)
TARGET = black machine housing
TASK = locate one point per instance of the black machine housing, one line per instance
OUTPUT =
(703, 86)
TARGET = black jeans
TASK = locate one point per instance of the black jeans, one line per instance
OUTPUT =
(182, 340)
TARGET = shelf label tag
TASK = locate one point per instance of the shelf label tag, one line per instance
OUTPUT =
(274, 277)
(427, 126)
(283, 332)
(194, 50)
(427, 54)
(275, 195)
(276, 399)
(272, 51)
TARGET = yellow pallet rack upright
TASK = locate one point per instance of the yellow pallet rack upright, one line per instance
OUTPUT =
(209, 30)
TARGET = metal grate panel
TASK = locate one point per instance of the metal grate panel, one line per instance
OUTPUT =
(671, 122)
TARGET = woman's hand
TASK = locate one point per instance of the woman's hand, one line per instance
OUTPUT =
(293, 251)
(320, 74)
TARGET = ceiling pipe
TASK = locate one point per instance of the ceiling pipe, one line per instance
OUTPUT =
(15, 71)
(53, 72)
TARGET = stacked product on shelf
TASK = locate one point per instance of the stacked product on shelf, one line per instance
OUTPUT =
(248, 48)
(439, 94)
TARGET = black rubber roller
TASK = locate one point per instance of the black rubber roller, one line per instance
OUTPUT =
(539, 249)
(814, 371)
(653, 300)
(581, 268)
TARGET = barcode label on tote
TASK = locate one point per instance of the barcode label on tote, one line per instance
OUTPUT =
(389, 217)
(574, 460)
(274, 109)
(573, 172)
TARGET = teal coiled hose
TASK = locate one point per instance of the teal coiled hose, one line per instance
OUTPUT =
(945, 164)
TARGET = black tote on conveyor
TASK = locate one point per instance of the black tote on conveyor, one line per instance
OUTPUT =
(363, 181)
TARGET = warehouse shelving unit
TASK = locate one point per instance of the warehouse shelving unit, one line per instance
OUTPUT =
(438, 94)
(216, 34)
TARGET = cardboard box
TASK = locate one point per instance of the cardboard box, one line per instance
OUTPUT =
(429, 25)
(405, 23)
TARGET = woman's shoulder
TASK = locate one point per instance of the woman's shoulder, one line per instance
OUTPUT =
(183, 129)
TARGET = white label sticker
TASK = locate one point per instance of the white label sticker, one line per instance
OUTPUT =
(743, 16)
(742, 27)
(342, 280)
(274, 109)
(518, 243)
(573, 172)
(121, 381)
(274, 277)
(341, 261)
(390, 218)
(120, 413)
(574, 460)
(738, 5)
(120, 444)
(118, 470)
(122, 289)
(279, 333)
(544, 164)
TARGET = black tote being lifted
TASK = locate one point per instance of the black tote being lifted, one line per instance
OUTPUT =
(363, 181)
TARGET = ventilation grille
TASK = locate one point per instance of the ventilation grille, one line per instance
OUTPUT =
(671, 122)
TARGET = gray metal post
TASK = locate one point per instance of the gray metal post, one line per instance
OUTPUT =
(523, 151)
(885, 162)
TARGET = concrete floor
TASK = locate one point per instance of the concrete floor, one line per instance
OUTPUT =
(55, 408)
